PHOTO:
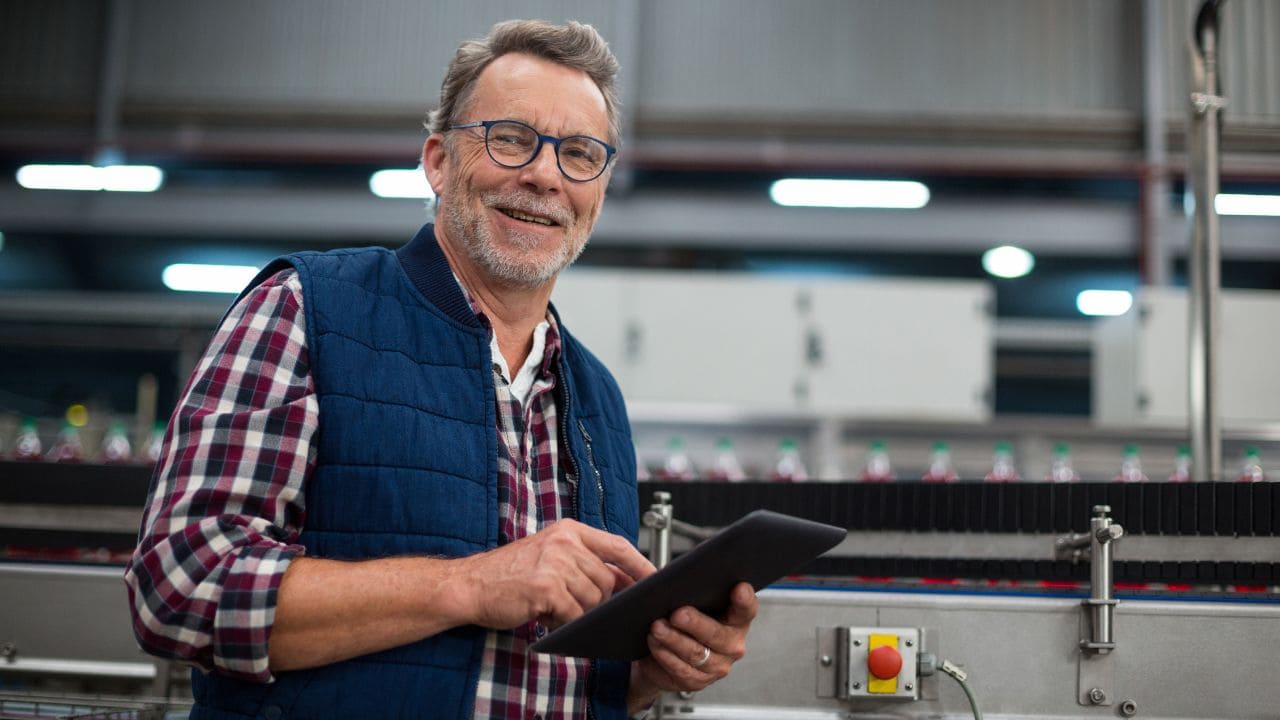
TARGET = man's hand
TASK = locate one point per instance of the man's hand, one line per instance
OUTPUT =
(690, 650)
(552, 576)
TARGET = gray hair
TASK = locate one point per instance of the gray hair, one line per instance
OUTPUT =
(575, 45)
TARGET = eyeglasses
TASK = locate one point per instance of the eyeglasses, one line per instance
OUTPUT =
(513, 144)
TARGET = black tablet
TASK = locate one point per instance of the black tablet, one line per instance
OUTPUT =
(759, 548)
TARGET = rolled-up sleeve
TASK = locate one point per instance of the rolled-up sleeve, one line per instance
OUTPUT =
(226, 504)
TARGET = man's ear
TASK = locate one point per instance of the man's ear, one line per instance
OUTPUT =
(435, 162)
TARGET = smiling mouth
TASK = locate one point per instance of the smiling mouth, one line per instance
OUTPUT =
(525, 217)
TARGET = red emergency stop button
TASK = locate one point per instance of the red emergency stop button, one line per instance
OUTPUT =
(884, 662)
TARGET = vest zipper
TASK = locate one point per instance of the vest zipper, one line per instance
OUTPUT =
(591, 460)
(574, 473)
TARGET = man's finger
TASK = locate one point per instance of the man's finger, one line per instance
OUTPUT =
(615, 549)
(743, 606)
(679, 669)
(621, 580)
(601, 574)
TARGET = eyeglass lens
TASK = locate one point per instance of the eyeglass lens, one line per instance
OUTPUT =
(513, 145)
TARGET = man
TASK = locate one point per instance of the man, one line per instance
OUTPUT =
(392, 472)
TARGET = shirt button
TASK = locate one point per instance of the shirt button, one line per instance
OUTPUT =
(272, 712)
(540, 630)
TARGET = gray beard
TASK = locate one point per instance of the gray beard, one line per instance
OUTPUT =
(512, 270)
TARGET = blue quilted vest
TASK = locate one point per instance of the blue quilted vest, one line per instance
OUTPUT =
(407, 464)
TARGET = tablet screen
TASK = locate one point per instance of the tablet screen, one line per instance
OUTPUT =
(759, 548)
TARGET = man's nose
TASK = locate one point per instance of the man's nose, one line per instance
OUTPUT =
(543, 172)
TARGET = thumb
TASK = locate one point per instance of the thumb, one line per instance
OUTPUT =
(743, 606)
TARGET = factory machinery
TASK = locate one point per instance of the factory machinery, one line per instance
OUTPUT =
(1155, 600)
(1010, 600)
(946, 600)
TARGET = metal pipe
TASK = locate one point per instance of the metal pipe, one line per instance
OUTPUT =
(115, 50)
(1154, 179)
(1202, 142)
(658, 519)
(1101, 603)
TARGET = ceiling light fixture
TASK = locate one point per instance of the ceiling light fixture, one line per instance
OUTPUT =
(115, 178)
(812, 192)
(1007, 261)
(190, 277)
(1104, 302)
(400, 184)
(1235, 204)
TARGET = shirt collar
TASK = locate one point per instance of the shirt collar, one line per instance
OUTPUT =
(551, 344)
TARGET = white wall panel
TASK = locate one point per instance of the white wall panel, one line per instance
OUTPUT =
(903, 348)
(882, 349)
(593, 305)
(1140, 361)
(714, 338)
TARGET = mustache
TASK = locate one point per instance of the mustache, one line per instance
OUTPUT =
(530, 204)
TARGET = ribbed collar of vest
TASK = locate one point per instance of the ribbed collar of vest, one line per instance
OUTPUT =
(427, 267)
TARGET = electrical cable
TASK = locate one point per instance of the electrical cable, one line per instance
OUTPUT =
(961, 677)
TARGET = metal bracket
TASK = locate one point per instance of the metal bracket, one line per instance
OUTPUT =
(1204, 102)
(1096, 677)
(658, 519)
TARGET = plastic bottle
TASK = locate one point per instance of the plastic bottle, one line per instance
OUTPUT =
(1062, 470)
(677, 466)
(155, 444)
(878, 467)
(1131, 466)
(642, 472)
(725, 467)
(1251, 468)
(1002, 468)
(941, 468)
(115, 445)
(67, 449)
(1181, 465)
(789, 467)
(27, 445)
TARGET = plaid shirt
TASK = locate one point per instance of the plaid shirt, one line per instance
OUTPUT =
(228, 503)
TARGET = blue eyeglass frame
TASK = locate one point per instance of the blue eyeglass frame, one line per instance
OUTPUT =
(610, 150)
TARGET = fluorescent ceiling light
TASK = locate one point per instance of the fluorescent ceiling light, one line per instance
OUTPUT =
(400, 184)
(1264, 205)
(1104, 302)
(187, 277)
(1008, 261)
(807, 192)
(118, 178)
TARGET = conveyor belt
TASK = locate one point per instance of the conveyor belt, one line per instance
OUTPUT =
(1221, 509)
